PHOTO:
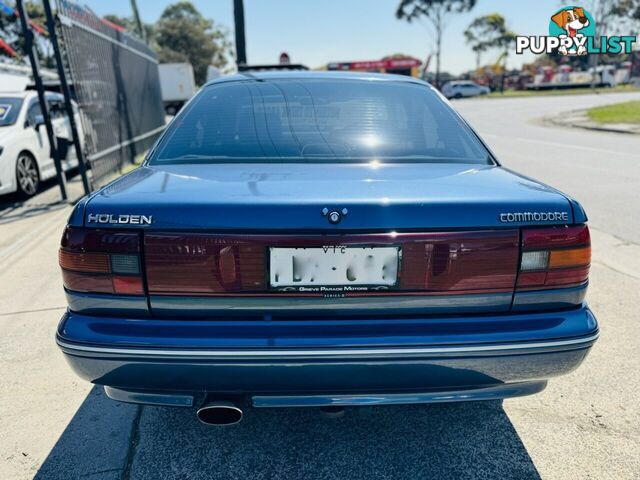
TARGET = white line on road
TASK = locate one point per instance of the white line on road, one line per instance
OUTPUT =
(38, 310)
(33, 235)
(563, 145)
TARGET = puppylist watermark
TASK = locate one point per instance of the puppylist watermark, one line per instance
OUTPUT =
(572, 31)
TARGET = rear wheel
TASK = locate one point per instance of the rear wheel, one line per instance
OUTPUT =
(27, 174)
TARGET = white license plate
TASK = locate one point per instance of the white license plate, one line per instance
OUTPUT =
(333, 266)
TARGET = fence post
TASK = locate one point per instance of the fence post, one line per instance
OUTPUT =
(51, 26)
(35, 67)
(238, 15)
(116, 82)
(136, 17)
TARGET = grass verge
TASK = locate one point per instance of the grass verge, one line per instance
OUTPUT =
(626, 112)
(568, 91)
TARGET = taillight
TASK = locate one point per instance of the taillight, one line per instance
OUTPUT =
(101, 261)
(433, 263)
(554, 257)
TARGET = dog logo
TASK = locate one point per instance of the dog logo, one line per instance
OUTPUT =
(572, 31)
(572, 25)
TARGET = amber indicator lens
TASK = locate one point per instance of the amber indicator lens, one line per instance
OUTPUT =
(84, 262)
(573, 257)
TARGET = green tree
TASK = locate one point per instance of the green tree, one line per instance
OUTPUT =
(490, 32)
(437, 12)
(484, 33)
(477, 43)
(183, 35)
(629, 10)
(129, 25)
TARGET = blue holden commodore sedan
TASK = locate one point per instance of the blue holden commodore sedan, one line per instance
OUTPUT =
(300, 239)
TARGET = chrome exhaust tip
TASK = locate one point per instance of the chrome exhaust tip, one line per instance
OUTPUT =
(220, 413)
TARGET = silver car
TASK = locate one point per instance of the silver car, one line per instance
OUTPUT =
(464, 89)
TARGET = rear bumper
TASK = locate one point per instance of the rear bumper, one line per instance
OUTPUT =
(316, 362)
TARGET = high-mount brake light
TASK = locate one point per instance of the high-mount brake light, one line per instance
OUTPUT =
(554, 257)
(101, 261)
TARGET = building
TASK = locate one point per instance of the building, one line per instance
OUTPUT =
(400, 65)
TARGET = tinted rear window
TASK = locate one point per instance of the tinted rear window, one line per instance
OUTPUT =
(318, 119)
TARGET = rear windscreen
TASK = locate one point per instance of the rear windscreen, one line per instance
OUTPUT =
(318, 119)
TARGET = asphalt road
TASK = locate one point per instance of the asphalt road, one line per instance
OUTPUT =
(584, 425)
(599, 169)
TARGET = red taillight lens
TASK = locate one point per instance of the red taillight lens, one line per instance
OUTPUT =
(128, 285)
(431, 263)
(554, 257)
(101, 261)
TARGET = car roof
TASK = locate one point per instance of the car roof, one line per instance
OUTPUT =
(30, 93)
(314, 75)
(22, 94)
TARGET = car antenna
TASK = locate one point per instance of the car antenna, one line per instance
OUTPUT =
(252, 76)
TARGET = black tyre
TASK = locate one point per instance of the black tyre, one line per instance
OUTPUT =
(27, 175)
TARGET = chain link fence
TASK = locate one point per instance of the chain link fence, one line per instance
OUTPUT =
(117, 87)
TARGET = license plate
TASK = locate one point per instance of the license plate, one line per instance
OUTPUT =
(333, 266)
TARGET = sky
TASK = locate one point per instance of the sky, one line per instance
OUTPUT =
(316, 32)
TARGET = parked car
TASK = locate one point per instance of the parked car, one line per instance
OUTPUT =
(25, 156)
(323, 239)
(463, 89)
(178, 85)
